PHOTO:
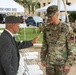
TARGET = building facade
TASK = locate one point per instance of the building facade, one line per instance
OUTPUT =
(43, 3)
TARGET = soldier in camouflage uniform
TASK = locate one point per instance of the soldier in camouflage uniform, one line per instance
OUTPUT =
(58, 43)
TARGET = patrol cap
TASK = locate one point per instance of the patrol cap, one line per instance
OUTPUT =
(12, 19)
(51, 10)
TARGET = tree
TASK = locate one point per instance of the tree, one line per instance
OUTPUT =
(72, 19)
(29, 4)
(72, 16)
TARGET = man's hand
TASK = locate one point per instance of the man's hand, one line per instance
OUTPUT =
(35, 40)
(43, 63)
(66, 68)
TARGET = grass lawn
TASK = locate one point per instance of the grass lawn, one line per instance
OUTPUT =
(30, 33)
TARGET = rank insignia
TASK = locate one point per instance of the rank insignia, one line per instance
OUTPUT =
(71, 36)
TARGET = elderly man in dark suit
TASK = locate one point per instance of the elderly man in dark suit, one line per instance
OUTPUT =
(9, 48)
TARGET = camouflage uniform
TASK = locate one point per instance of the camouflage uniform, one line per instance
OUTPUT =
(57, 48)
(58, 45)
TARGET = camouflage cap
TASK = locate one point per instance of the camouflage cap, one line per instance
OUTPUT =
(51, 10)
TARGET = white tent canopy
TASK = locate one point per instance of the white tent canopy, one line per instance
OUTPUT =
(10, 6)
(73, 7)
(54, 2)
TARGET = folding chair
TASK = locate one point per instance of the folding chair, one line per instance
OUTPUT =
(31, 53)
(21, 66)
(34, 72)
(31, 67)
(27, 52)
(21, 70)
(26, 69)
(30, 58)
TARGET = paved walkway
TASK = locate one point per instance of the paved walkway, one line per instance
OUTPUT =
(73, 68)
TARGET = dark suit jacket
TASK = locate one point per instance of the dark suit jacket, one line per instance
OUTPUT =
(9, 54)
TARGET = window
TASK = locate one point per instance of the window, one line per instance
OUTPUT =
(49, 2)
(43, 4)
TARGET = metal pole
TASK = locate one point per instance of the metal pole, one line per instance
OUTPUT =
(66, 1)
(24, 31)
(58, 3)
(66, 11)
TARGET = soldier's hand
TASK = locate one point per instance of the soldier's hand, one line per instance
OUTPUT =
(43, 63)
(35, 40)
(66, 68)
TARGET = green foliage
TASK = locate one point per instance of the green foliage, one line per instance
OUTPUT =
(30, 33)
(29, 4)
(72, 16)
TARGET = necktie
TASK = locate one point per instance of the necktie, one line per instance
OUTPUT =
(14, 40)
